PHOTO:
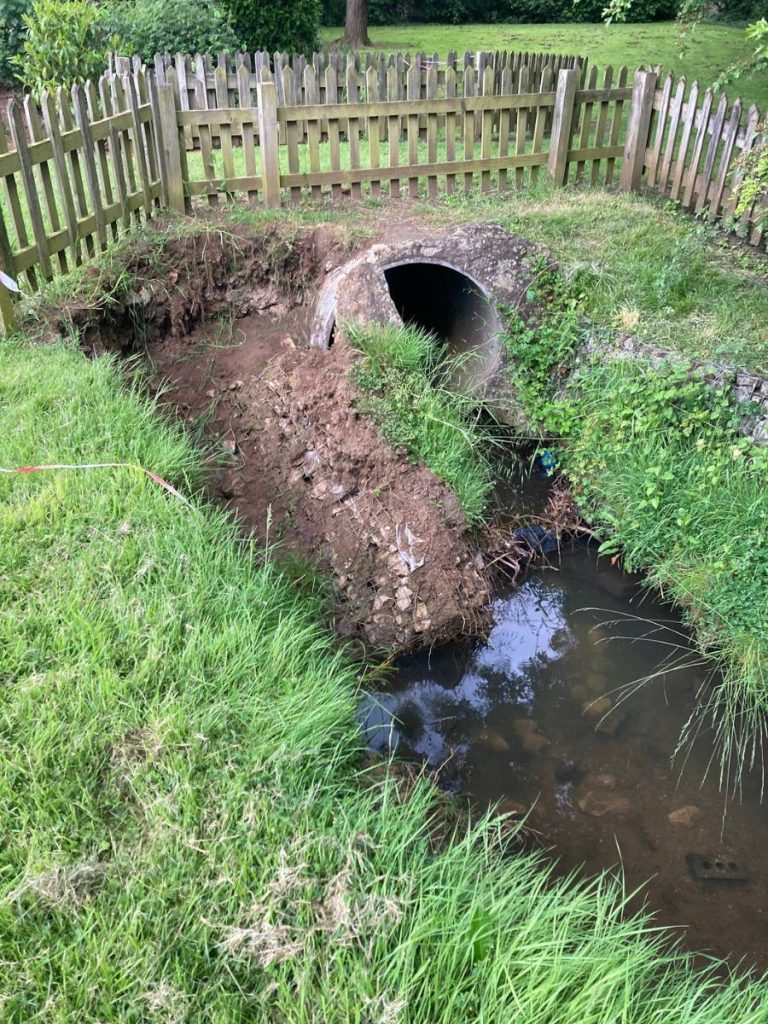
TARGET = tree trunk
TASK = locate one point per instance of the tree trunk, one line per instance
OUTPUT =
(356, 26)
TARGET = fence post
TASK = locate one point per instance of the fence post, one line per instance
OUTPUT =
(268, 142)
(638, 131)
(562, 123)
(168, 132)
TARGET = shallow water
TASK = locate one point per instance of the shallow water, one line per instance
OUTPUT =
(514, 718)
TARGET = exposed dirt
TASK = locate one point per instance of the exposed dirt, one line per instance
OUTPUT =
(180, 281)
(301, 463)
(223, 318)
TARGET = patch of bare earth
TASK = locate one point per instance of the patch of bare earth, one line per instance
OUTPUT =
(303, 464)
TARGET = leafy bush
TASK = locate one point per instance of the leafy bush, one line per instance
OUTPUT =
(12, 35)
(148, 27)
(67, 41)
(290, 25)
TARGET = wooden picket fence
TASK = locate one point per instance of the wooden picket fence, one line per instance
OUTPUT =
(83, 167)
(694, 149)
(201, 85)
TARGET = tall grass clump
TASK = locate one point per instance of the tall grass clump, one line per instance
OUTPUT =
(409, 389)
(187, 833)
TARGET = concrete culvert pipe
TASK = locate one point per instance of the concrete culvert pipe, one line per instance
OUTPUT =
(451, 285)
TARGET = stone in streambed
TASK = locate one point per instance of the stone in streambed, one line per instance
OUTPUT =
(686, 816)
(527, 732)
(491, 740)
(598, 803)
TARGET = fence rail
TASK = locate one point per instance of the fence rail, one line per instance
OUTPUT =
(85, 166)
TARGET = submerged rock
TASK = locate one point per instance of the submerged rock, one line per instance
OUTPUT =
(527, 732)
(686, 816)
(598, 803)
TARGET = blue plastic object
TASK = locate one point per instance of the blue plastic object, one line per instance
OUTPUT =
(548, 461)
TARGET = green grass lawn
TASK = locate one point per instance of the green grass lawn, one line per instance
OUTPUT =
(711, 49)
(187, 832)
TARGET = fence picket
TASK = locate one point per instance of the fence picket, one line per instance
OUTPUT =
(542, 115)
(618, 110)
(602, 123)
(413, 88)
(701, 135)
(19, 137)
(353, 125)
(37, 134)
(431, 94)
(393, 129)
(521, 129)
(675, 113)
(225, 131)
(654, 152)
(688, 118)
(89, 162)
(505, 118)
(729, 140)
(333, 129)
(372, 96)
(312, 90)
(469, 130)
(248, 134)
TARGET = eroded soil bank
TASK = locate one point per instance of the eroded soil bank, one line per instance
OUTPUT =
(222, 323)
(302, 467)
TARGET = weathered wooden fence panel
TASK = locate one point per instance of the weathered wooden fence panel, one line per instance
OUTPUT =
(695, 153)
(83, 166)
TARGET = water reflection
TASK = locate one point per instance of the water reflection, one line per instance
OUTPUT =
(533, 715)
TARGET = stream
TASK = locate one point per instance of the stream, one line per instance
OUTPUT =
(544, 715)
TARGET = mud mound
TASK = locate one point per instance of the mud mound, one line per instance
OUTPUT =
(405, 562)
(169, 280)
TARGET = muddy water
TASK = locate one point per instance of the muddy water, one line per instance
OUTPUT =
(522, 717)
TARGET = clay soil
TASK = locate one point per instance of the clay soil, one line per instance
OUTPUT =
(301, 468)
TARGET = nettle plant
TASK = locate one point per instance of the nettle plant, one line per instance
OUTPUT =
(540, 354)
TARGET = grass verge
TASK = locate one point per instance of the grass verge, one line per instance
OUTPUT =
(641, 266)
(711, 48)
(187, 836)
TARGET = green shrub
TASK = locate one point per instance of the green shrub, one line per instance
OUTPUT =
(172, 26)
(12, 36)
(67, 41)
(290, 25)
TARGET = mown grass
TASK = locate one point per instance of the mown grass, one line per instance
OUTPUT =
(642, 267)
(406, 388)
(187, 833)
(711, 47)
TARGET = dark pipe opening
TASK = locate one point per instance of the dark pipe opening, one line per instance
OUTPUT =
(444, 302)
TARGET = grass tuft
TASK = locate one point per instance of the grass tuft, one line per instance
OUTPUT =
(408, 390)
